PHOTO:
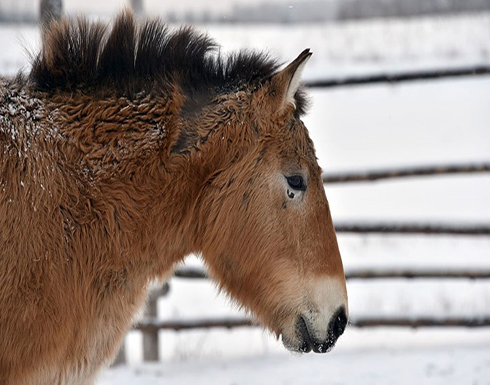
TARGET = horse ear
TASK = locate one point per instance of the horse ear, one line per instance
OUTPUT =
(286, 82)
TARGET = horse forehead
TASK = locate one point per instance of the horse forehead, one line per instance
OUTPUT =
(296, 144)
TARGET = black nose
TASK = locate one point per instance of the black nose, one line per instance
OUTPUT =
(335, 329)
(337, 324)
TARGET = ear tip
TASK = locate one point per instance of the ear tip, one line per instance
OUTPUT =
(306, 53)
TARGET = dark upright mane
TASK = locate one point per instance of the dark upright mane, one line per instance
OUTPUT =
(81, 54)
(87, 56)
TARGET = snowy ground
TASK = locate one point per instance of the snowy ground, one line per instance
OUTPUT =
(359, 128)
(400, 365)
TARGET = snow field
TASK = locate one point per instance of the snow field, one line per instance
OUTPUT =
(384, 357)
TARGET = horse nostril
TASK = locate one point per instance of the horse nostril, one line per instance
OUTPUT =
(336, 327)
(338, 323)
(302, 330)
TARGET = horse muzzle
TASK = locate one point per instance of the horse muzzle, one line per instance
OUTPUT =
(320, 321)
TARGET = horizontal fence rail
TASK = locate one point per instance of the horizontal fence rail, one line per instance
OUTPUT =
(154, 325)
(412, 228)
(375, 175)
(425, 274)
(399, 77)
(422, 322)
(198, 273)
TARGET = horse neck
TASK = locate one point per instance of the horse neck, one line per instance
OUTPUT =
(130, 148)
(118, 146)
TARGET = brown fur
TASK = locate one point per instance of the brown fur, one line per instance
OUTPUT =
(105, 186)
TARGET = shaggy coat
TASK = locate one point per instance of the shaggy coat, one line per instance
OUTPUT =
(123, 151)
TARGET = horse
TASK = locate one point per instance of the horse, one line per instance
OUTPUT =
(125, 148)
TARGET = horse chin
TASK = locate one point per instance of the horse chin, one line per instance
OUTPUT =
(306, 345)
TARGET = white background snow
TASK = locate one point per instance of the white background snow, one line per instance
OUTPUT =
(446, 121)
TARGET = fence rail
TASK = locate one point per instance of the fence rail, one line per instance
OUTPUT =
(422, 322)
(154, 325)
(399, 77)
(375, 175)
(412, 228)
(198, 273)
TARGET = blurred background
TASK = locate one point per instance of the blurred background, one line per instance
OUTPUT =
(398, 88)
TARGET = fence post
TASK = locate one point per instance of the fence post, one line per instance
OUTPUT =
(150, 338)
(137, 7)
(49, 10)
(121, 354)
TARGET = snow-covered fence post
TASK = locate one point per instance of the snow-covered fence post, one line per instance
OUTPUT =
(137, 7)
(49, 10)
(150, 338)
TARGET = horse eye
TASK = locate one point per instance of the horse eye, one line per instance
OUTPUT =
(296, 182)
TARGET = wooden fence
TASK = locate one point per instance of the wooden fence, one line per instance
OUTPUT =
(150, 325)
